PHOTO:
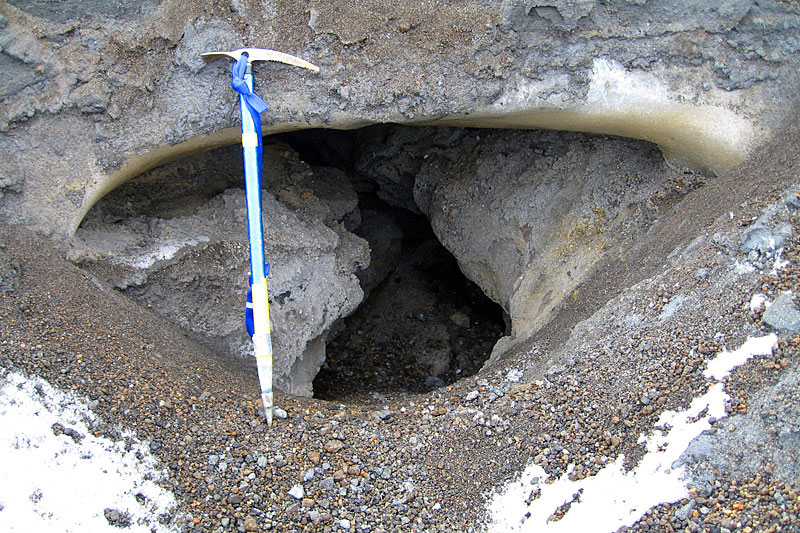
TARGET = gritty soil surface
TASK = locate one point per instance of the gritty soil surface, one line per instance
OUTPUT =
(608, 365)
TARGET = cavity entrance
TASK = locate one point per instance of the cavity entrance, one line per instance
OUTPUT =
(355, 274)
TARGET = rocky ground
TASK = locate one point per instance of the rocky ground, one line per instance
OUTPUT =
(632, 343)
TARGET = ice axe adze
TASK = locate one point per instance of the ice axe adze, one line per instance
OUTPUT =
(251, 108)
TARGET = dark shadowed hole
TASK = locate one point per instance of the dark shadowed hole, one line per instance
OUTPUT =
(423, 324)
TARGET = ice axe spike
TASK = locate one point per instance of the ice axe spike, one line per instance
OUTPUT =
(251, 107)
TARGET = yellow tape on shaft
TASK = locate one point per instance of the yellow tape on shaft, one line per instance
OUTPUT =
(249, 139)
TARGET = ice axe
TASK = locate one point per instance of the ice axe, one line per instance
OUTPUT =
(251, 106)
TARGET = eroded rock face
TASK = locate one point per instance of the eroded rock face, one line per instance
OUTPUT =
(92, 96)
(528, 214)
(187, 257)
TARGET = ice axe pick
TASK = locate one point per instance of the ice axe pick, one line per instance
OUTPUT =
(251, 106)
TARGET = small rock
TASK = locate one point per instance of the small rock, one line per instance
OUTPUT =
(763, 242)
(297, 492)
(783, 315)
(250, 523)
(314, 457)
(333, 446)
(307, 503)
(472, 395)
(420, 315)
(514, 375)
(792, 200)
(683, 512)
(328, 483)
(117, 518)
(432, 382)
(460, 319)
(280, 413)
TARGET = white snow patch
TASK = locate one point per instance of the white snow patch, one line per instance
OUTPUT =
(53, 482)
(722, 365)
(757, 301)
(614, 498)
(780, 263)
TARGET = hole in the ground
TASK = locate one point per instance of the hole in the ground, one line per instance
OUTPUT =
(172, 239)
(423, 326)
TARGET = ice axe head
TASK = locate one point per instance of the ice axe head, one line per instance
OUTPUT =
(261, 54)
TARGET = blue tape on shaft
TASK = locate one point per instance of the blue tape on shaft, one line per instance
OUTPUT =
(248, 314)
(254, 102)
(255, 105)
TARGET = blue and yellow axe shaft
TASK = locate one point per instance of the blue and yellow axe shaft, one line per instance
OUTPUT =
(251, 107)
(253, 153)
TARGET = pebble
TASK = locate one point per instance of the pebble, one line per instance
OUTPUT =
(333, 446)
(472, 395)
(783, 315)
(280, 413)
(250, 523)
(297, 492)
(460, 319)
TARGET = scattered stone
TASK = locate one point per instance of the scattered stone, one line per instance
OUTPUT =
(460, 319)
(250, 523)
(297, 492)
(783, 315)
(433, 382)
(761, 242)
(117, 518)
(472, 395)
(333, 446)
(279, 413)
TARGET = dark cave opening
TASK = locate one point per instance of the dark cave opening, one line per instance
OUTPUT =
(422, 327)
(422, 323)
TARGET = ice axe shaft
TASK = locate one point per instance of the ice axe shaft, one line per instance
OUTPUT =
(251, 107)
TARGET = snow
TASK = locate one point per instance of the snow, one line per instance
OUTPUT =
(726, 361)
(757, 302)
(615, 497)
(66, 482)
